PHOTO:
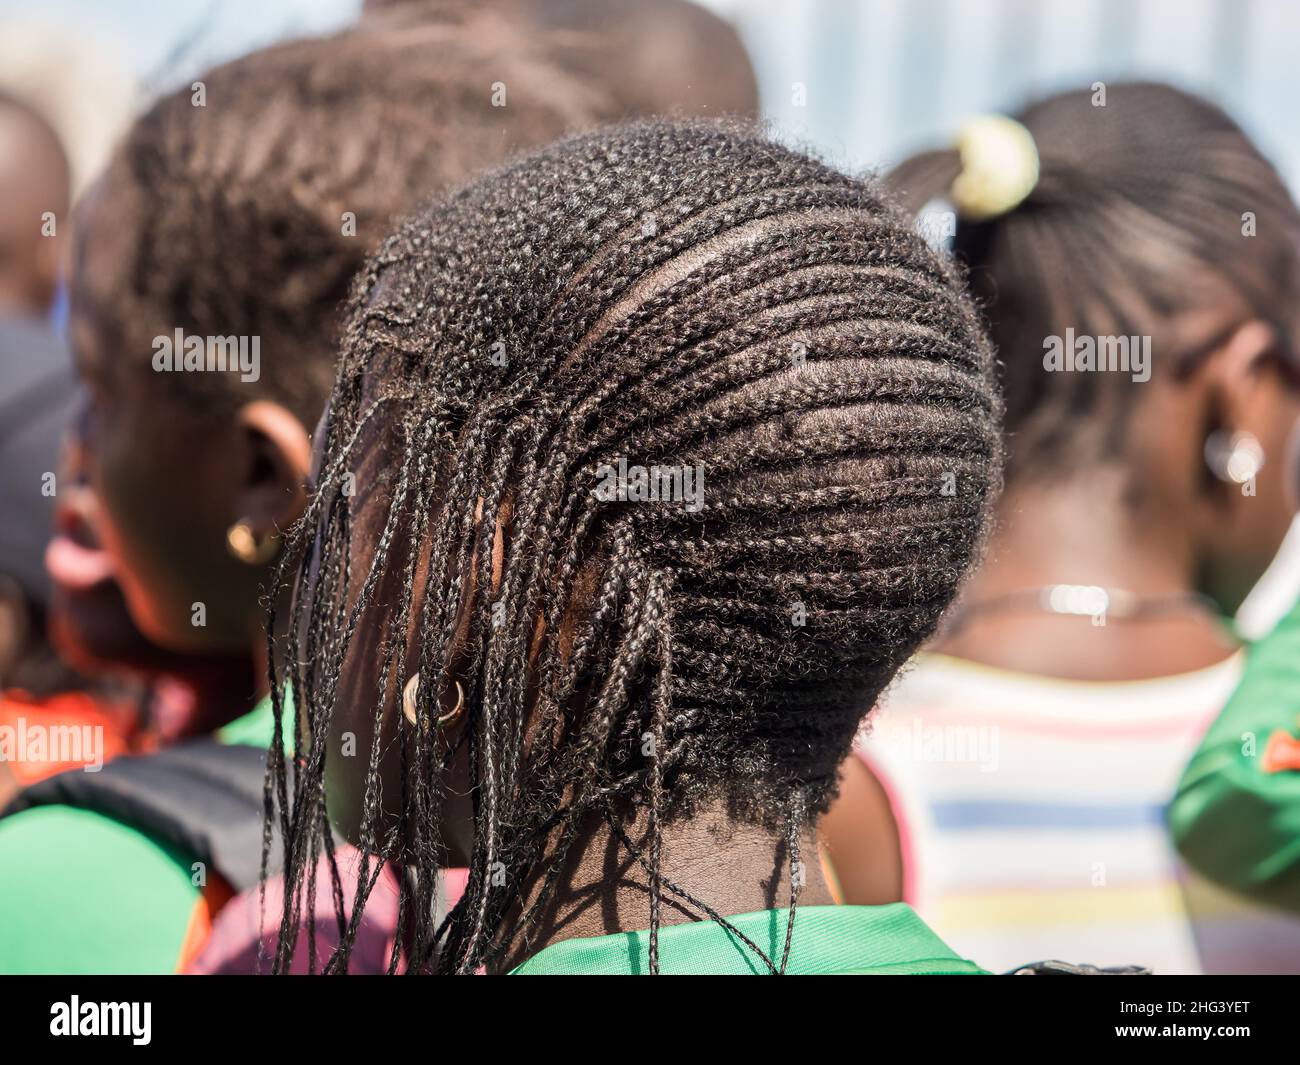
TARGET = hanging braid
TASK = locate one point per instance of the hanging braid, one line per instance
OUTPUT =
(1138, 216)
(673, 295)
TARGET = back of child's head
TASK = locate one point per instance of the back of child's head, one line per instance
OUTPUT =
(223, 239)
(248, 200)
(1149, 204)
(655, 57)
(740, 426)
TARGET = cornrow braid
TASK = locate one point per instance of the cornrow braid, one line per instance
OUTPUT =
(673, 295)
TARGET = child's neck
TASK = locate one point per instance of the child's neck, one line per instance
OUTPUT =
(1081, 532)
(731, 866)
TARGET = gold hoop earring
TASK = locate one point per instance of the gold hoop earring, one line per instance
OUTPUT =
(243, 544)
(409, 704)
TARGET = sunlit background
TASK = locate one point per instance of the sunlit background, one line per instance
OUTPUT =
(864, 82)
(882, 77)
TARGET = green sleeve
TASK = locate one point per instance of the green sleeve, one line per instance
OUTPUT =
(1231, 820)
(83, 893)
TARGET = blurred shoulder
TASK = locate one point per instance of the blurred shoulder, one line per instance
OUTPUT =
(83, 892)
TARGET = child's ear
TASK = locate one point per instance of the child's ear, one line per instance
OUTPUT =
(276, 450)
(1243, 398)
(1233, 368)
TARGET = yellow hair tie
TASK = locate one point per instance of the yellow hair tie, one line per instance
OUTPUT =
(999, 167)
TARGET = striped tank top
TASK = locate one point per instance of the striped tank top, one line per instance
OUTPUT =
(1031, 815)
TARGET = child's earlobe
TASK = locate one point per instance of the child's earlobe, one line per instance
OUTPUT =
(244, 544)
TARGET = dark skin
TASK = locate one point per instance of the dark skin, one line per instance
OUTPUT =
(92, 629)
(168, 480)
(1161, 525)
(736, 866)
(33, 180)
(732, 865)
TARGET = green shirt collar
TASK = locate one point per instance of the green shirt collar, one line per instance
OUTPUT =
(828, 940)
(257, 727)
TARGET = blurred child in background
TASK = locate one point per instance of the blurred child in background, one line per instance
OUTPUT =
(242, 215)
(50, 717)
(1138, 261)
(37, 186)
(654, 57)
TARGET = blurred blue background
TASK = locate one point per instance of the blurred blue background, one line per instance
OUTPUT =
(887, 77)
(882, 77)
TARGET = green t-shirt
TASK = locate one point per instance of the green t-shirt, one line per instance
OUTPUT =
(81, 892)
(828, 941)
(1236, 817)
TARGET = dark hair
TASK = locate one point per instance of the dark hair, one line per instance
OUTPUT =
(672, 294)
(241, 202)
(1139, 208)
(654, 57)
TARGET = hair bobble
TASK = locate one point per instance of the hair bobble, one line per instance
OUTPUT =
(999, 167)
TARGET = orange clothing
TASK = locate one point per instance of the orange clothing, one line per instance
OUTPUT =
(39, 738)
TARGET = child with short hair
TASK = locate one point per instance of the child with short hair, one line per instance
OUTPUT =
(226, 233)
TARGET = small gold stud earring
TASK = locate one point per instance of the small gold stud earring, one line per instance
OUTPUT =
(244, 545)
(409, 694)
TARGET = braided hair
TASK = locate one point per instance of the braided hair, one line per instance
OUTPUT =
(660, 294)
(256, 194)
(1141, 212)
